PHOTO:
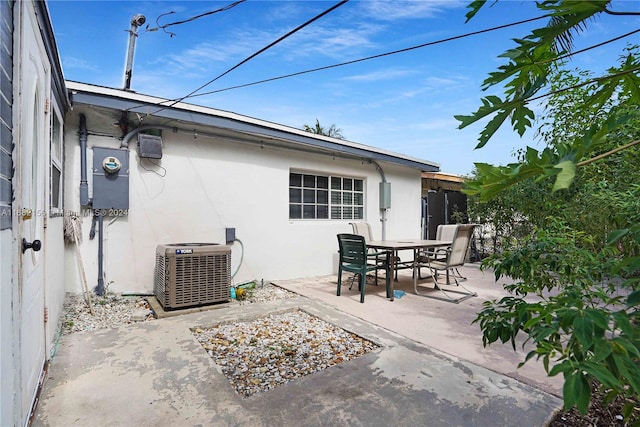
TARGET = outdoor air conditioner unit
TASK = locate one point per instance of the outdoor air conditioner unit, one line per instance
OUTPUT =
(191, 274)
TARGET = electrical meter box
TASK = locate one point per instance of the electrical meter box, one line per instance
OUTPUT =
(110, 178)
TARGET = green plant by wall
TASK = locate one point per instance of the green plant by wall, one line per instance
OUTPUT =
(568, 216)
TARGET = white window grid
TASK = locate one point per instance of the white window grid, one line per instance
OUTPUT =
(321, 197)
(56, 147)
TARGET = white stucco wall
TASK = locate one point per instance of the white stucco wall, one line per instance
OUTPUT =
(210, 184)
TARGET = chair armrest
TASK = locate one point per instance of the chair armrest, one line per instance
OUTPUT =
(435, 254)
(375, 254)
(370, 253)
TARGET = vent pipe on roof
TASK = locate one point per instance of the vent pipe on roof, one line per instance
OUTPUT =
(136, 21)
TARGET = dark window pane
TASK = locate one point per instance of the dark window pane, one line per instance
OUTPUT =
(357, 184)
(309, 181)
(347, 198)
(347, 184)
(358, 213)
(336, 183)
(295, 195)
(309, 196)
(347, 212)
(336, 197)
(323, 211)
(336, 212)
(323, 197)
(295, 211)
(323, 182)
(358, 199)
(295, 180)
(55, 187)
(308, 211)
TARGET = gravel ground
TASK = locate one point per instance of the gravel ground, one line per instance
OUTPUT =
(262, 354)
(109, 311)
(255, 356)
(114, 310)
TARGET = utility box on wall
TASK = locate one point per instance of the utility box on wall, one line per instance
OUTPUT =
(110, 178)
(385, 195)
(149, 146)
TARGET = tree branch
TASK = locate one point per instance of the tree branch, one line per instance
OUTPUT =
(608, 153)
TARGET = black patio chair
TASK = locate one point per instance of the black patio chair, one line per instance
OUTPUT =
(355, 259)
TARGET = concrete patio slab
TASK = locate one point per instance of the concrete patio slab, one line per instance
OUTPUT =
(440, 325)
(157, 374)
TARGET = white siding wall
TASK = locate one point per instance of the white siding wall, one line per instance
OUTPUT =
(8, 291)
(55, 278)
(212, 184)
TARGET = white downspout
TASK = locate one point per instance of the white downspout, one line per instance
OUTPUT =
(383, 211)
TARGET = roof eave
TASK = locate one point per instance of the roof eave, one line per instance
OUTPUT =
(234, 122)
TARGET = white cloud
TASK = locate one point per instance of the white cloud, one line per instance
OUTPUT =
(388, 74)
(80, 64)
(205, 55)
(408, 9)
(331, 41)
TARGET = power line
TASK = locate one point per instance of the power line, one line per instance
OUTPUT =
(193, 93)
(570, 54)
(412, 48)
(355, 61)
(270, 45)
(193, 18)
(585, 83)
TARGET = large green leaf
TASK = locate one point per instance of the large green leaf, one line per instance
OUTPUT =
(566, 175)
(634, 298)
(583, 330)
(602, 374)
(475, 7)
(576, 391)
(616, 235)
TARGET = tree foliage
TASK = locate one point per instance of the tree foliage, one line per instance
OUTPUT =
(332, 131)
(524, 77)
(573, 255)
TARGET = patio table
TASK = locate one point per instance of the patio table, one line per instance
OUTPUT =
(393, 246)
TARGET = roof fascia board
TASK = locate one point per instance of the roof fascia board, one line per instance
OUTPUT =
(201, 118)
(49, 40)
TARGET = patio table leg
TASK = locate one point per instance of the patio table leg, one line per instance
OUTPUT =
(388, 280)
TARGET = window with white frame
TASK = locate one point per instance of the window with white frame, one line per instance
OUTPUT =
(325, 197)
(56, 162)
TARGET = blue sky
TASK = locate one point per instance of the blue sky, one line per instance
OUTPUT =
(403, 102)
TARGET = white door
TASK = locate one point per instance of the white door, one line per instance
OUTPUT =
(30, 208)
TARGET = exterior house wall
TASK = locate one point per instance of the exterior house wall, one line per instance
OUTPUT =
(54, 249)
(27, 44)
(207, 184)
(6, 330)
(7, 283)
(201, 186)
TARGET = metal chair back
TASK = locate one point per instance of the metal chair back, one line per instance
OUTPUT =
(362, 229)
(460, 245)
(446, 232)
